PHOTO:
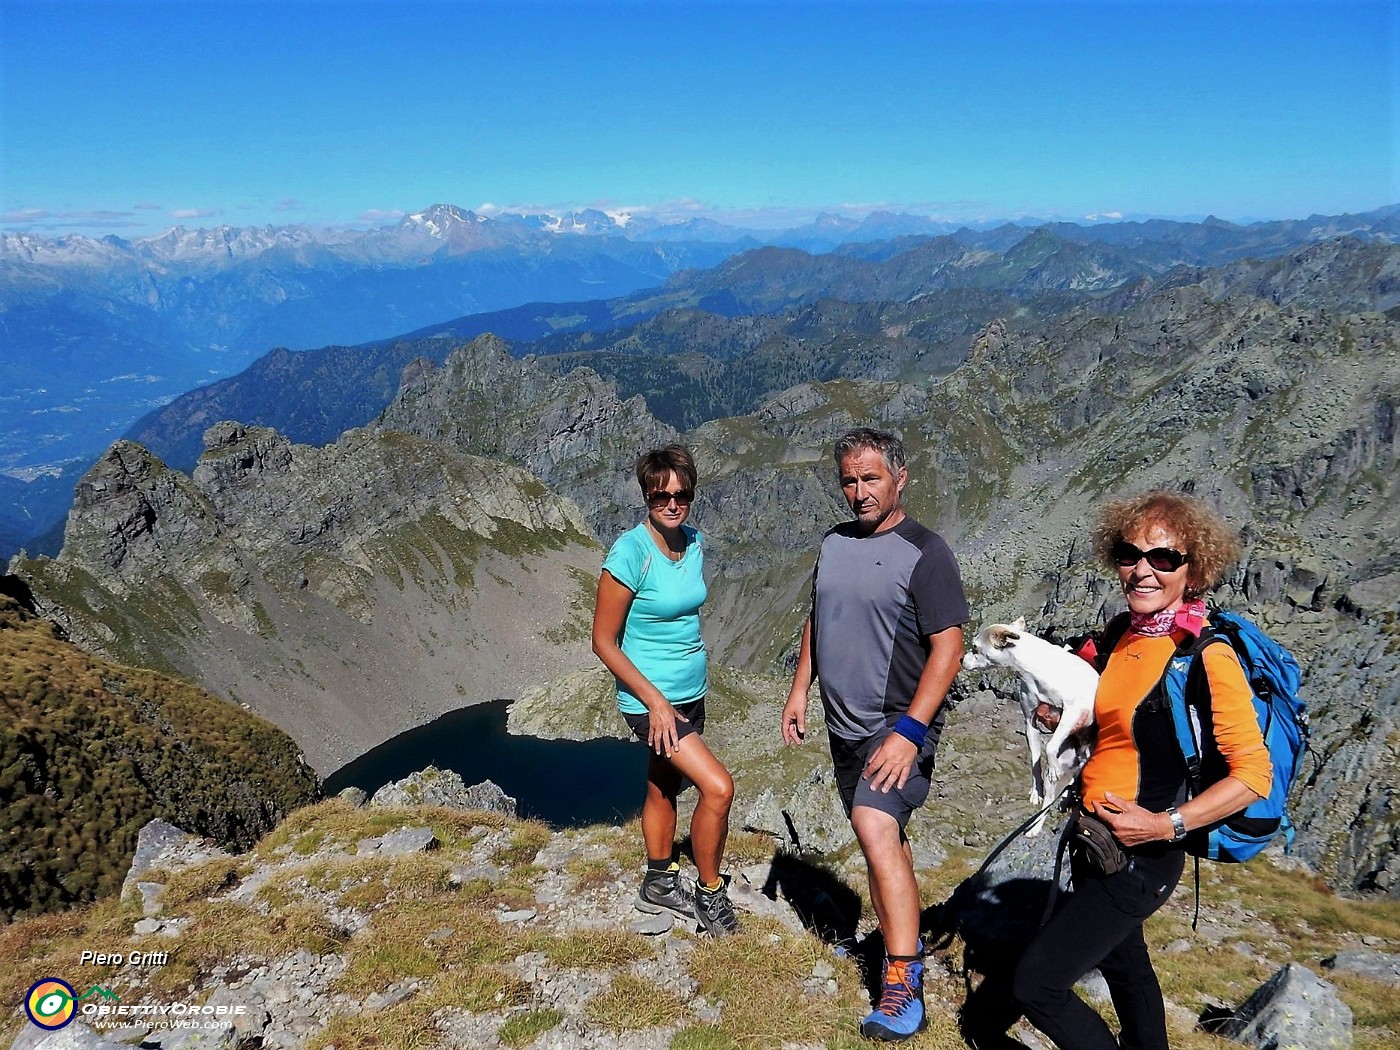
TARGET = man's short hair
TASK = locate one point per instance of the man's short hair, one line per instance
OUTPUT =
(859, 439)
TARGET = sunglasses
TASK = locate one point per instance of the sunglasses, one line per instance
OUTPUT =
(683, 498)
(1163, 559)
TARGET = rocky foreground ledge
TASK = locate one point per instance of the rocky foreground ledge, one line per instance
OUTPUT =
(431, 915)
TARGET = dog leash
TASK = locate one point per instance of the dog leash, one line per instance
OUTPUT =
(1022, 829)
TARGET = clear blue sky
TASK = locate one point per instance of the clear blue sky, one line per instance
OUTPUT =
(130, 116)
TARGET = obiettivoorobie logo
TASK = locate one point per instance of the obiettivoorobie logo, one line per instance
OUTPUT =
(51, 1003)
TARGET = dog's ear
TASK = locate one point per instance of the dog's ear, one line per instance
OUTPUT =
(1020, 624)
(1003, 637)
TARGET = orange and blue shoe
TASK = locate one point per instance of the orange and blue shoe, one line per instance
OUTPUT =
(901, 1011)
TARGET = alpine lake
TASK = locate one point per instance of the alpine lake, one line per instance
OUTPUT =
(565, 783)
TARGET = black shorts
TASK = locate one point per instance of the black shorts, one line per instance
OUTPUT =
(848, 758)
(694, 712)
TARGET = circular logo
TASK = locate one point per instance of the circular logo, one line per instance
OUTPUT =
(50, 1003)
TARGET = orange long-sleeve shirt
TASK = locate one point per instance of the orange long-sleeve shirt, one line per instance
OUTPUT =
(1136, 757)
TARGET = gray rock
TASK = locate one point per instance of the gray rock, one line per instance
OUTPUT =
(251, 1022)
(997, 911)
(353, 795)
(198, 1038)
(150, 898)
(810, 819)
(461, 874)
(73, 1036)
(928, 853)
(746, 892)
(162, 845)
(1293, 1010)
(1094, 988)
(395, 993)
(443, 787)
(408, 840)
(652, 925)
(1378, 966)
(491, 798)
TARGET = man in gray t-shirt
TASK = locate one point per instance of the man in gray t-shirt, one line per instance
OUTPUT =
(883, 640)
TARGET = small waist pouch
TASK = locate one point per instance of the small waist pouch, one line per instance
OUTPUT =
(1097, 845)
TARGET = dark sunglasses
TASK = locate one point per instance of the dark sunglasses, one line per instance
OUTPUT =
(683, 498)
(1163, 559)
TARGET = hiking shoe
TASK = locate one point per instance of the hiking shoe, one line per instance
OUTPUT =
(901, 1010)
(666, 891)
(715, 912)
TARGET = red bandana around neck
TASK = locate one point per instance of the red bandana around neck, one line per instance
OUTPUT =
(1189, 616)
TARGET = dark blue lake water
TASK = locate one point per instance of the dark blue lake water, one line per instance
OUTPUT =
(563, 782)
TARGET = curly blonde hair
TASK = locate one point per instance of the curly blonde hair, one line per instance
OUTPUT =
(1211, 544)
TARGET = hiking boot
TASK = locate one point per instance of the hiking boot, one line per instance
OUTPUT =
(666, 891)
(901, 1011)
(715, 912)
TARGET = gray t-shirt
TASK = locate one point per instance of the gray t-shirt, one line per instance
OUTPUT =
(875, 601)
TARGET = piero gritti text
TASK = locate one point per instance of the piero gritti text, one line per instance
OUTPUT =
(89, 958)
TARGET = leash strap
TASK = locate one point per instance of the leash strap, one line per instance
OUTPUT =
(1195, 916)
(1021, 829)
(1060, 847)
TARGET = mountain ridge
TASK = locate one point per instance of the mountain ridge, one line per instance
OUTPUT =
(316, 585)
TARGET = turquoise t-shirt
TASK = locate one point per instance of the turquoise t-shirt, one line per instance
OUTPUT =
(661, 635)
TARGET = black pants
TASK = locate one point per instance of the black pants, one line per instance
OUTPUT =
(1100, 925)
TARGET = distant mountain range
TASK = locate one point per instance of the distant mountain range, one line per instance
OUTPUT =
(95, 333)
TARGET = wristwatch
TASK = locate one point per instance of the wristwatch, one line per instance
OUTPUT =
(1178, 824)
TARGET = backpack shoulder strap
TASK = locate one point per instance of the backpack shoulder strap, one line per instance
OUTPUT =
(1187, 691)
(1113, 632)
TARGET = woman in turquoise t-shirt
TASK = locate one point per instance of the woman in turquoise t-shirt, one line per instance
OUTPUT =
(646, 630)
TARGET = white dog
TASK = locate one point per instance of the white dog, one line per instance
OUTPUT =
(1052, 675)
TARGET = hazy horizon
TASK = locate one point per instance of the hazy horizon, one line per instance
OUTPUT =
(133, 118)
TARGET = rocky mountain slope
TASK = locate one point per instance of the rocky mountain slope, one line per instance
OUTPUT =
(1264, 387)
(304, 286)
(90, 751)
(346, 592)
(1283, 417)
(431, 917)
(924, 291)
(571, 431)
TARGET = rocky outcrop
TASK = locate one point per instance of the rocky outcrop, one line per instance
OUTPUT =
(573, 432)
(443, 787)
(1293, 1010)
(1377, 966)
(543, 921)
(471, 926)
(346, 592)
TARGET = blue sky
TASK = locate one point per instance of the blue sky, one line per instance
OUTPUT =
(129, 117)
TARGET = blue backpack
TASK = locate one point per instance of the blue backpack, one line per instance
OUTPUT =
(1273, 676)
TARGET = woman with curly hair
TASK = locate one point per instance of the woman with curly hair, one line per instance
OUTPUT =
(1168, 550)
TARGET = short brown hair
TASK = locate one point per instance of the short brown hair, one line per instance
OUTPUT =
(655, 466)
(1211, 544)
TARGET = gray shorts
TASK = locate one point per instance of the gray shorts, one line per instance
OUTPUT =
(848, 758)
(694, 712)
